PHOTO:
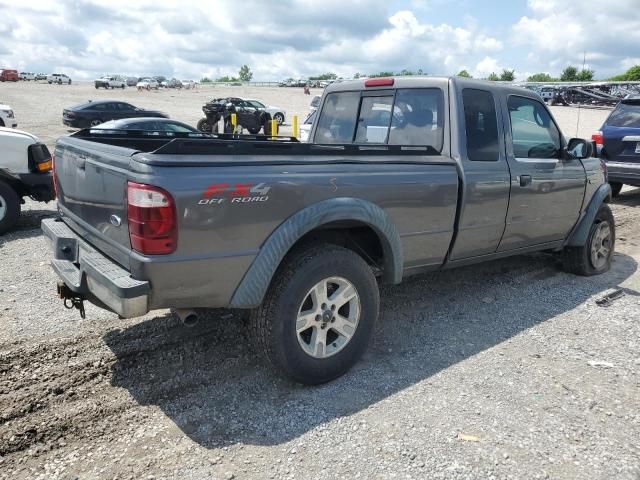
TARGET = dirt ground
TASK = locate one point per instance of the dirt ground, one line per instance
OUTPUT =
(507, 370)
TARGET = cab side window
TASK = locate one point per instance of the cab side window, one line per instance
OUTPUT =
(481, 125)
(534, 133)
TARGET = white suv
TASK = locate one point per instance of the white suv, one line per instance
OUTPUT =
(7, 117)
(25, 171)
(59, 78)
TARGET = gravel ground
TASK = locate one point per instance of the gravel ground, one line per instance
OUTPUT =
(502, 370)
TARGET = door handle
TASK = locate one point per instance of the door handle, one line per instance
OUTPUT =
(525, 180)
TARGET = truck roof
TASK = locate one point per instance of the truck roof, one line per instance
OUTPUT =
(428, 81)
(12, 132)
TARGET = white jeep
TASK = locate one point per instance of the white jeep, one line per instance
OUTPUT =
(25, 171)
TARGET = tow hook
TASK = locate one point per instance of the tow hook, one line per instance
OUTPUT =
(71, 299)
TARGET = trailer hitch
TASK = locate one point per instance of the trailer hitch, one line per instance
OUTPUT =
(71, 299)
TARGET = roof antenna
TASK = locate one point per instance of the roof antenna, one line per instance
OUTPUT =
(584, 59)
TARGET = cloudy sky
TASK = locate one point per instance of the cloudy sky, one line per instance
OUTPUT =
(297, 38)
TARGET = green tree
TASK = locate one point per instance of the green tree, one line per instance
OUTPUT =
(541, 77)
(226, 79)
(357, 75)
(507, 75)
(206, 80)
(585, 75)
(245, 74)
(633, 74)
(569, 74)
(493, 77)
(464, 74)
(381, 74)
(324, 76)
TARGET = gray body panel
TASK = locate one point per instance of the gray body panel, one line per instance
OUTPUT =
(428, 211)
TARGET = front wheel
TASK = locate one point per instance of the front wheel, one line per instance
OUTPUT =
(318, 315)
(594, 257)
(279, 117)
(9, 207)
(203, 125)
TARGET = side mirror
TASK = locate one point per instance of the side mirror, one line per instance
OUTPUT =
(578, 148)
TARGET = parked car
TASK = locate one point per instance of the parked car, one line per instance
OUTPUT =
(277, 113)
(132, 81)
(146, 126)
(58, 78)
(110, 82)
(27, 76)
(247, 116)
(305, 128)
(188, 84)
(296, 233)
(147, 84)
(25, 171)
(93, 113)
(41, 76)
(7, 116)
(315, 103)
(619, 144)
(8, 75)
(172, 83)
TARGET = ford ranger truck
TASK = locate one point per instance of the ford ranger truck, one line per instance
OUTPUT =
(402, 176)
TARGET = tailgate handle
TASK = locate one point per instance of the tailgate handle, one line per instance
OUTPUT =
(525, 180)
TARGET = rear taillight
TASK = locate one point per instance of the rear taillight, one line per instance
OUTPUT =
(152, 219)
(598, 138)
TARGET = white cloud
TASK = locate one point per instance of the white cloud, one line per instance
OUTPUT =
(485, 67)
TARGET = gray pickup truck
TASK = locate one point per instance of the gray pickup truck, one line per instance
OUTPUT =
(403, 176)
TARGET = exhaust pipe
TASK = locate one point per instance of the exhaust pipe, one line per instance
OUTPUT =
(187, 316)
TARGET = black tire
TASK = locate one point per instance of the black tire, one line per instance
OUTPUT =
(279, 117)
(95, 122)
(9, 207)
(254, 130)
(615, 188)
(204, 126)
(1, 123)
(273, 324)
(97, 87)
(267, 128)
(579, 260)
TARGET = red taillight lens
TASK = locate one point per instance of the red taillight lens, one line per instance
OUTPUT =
(598, 138)
(55, 176)
(379, 82)
(152, 219)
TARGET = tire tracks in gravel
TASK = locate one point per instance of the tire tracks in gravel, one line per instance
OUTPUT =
(63, 390)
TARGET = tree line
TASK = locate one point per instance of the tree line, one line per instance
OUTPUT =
(569, 74)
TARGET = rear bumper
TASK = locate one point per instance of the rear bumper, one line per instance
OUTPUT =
(38, 185)
(628, 173)
(91, 275)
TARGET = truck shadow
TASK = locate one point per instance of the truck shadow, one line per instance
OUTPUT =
(28, 225)
(218, 392)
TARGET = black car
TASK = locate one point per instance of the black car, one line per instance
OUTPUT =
(96, 112)
(148, 126)
(618, 142)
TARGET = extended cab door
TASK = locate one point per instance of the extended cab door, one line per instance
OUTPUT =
(547, 189)
(485, 179)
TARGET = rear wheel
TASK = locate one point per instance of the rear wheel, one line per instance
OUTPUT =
(594, 257)
(318, 315)
(279, 117)
(615, 188)
(95, 122)
(9, 207)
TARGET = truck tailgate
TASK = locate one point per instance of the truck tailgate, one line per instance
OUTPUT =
(91, 181)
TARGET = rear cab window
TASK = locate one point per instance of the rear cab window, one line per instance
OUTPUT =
(626, 114)
(409, 116)
(481, 125)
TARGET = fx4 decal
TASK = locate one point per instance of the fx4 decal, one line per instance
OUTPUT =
(234, 193)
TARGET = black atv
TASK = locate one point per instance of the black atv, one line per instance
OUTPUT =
(247, 117)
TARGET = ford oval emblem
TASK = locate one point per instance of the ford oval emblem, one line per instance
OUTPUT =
(115, 220)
